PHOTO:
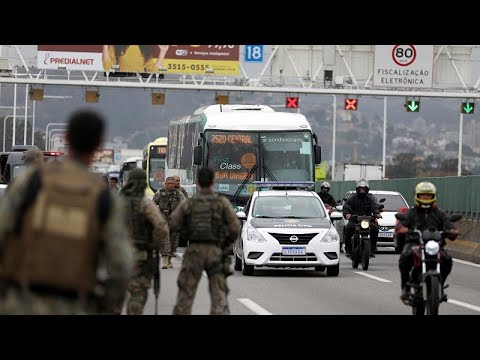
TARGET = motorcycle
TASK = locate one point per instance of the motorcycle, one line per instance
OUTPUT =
(426, 292)
(361, 247)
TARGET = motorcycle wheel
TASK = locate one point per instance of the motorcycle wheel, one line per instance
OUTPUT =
(433, 295)
(355, 257)
(366, 254)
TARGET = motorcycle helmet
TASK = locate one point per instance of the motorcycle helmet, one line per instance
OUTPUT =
(362, 183)
(326, 185)
(425, 187)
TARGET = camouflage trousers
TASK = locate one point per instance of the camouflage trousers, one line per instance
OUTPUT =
(199, 257)
(18, 302)
(174, 239)
(138, 287)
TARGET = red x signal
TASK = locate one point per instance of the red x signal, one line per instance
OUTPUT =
(291, 103)
(351, 104)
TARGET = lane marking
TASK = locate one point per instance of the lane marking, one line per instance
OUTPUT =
(466, 262)
(465, 305)
(372, 276)
(254, 307)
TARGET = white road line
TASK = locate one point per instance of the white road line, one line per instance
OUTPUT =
(465, 305)
(254, 307)
(372, 276)
(466, 262)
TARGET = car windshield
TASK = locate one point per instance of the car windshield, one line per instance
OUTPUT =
(291, 207)
(392, 202)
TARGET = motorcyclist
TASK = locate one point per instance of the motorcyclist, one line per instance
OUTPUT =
(361, 203)
(422, 216)
(326, 197)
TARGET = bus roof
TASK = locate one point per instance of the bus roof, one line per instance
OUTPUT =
(219, 108)
(158, 141)
(256, 121)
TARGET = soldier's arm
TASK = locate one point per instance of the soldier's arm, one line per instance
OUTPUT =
(233, 222)
(119, 258)
(156, 197)
(11, 203)
(160, 226)
(177, 218)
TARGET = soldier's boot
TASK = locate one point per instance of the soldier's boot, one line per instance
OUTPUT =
(169, 263)
(165, 260)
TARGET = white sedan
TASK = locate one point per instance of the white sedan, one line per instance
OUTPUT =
(287, 228)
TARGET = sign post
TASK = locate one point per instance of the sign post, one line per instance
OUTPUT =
(403, 66)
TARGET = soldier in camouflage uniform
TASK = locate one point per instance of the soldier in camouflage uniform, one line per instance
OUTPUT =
(52, 260)
(178, 186)
(211, 226)
(149, 231)
(167, 199)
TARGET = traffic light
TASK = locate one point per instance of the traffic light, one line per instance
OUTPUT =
(412, 105)
(468, 107)
(221, 99)
(92, 96)
(291, 102)
(351, 104)
(158, 98)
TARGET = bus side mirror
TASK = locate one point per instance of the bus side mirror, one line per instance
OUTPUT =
(318, 153)
(144, 164)
(197, 155)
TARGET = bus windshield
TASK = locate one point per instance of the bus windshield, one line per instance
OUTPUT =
(156, 169)
(278, 155)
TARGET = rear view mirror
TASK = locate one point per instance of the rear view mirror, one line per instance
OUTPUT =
(144, 164)
(197, 155)
(381, 206)
(241, 215)
(336, 216)
(382, 200)
(318, 153)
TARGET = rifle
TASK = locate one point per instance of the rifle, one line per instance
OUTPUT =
(156, 278)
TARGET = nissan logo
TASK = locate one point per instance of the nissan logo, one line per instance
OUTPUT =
(293, 238)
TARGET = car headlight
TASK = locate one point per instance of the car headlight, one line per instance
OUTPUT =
(432, 248)
(254, 235)
(331, 236)
(364, 224)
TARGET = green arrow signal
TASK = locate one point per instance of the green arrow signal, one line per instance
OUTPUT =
(467, 108)
(413, 105)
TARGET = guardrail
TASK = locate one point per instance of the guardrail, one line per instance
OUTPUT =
(455, 194)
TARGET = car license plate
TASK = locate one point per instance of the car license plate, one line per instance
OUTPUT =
(294, 251)
(385, 234)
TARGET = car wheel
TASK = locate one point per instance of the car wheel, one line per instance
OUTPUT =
(247, 270)
(333, 270)
(238, 263)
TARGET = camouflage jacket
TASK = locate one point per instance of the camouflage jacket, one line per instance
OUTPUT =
(178, 219)
(116, 252)
(160, 231)
(168, 201)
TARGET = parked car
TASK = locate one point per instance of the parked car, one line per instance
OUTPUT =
(394, 201)
(287, 228)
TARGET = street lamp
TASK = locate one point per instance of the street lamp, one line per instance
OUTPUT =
(47, 133)
(334, 131)
(53, 136)
(4, 129)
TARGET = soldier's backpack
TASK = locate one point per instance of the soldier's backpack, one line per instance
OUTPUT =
(56, 244)
(206, 219)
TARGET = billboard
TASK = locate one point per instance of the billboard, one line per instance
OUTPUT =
(217, 60)
(105, 156)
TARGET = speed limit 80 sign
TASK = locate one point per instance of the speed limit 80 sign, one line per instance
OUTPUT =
(403, 66)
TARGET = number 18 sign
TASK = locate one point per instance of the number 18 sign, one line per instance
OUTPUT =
(253, 53)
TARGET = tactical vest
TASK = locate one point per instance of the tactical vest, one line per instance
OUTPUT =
(140, 228)
(58, 242)
(206, 223)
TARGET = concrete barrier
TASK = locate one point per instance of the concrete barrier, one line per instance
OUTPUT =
(467, 245)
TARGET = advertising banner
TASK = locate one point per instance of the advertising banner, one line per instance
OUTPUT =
(216, 60)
